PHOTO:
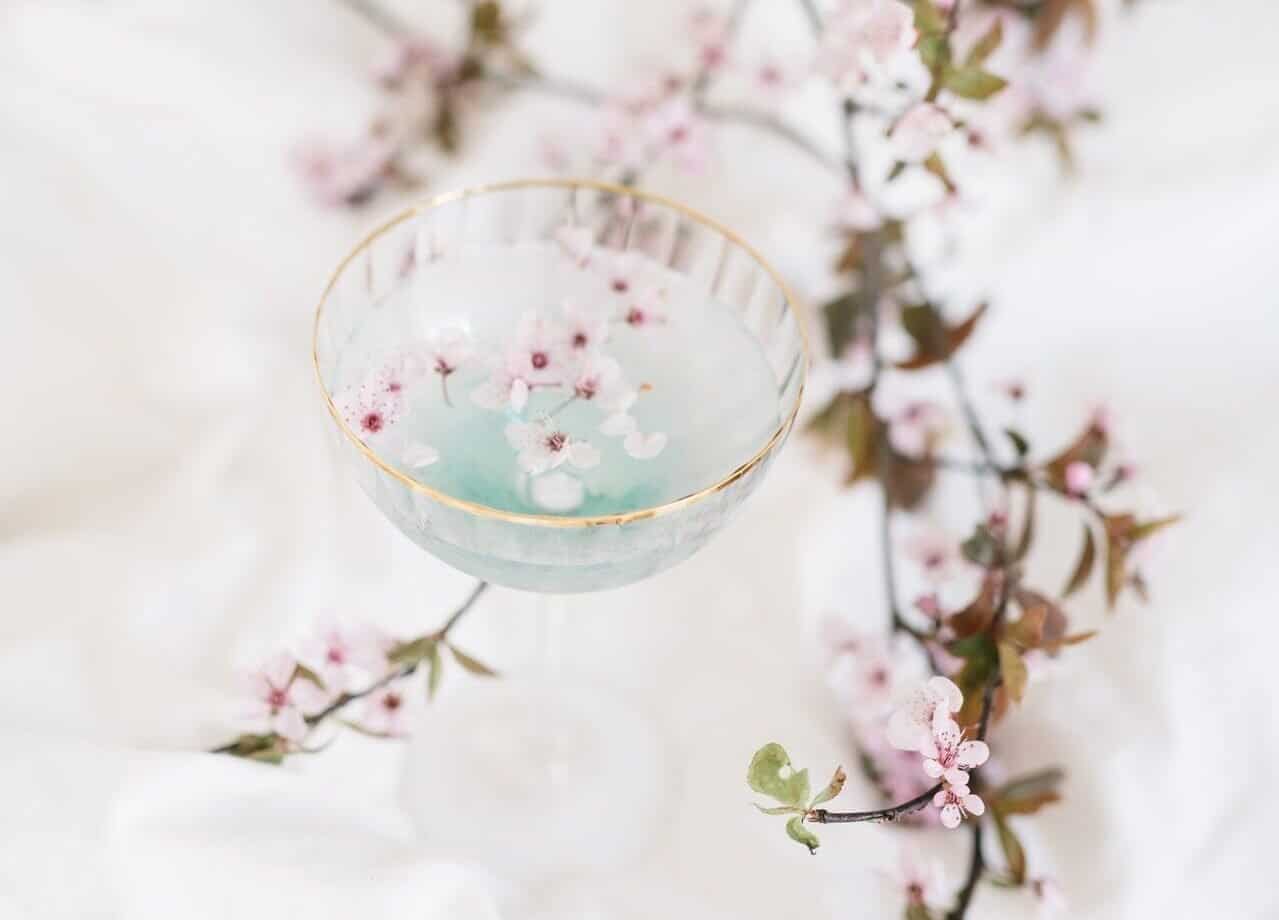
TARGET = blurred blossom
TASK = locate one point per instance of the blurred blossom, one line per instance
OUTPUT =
(861, 38)
(281, 699)
(1079, 478)
(934, 551)
(1051, 899)
(347, 175)
(917, 133)
(914, 429)
(346, 657)
(386, 711)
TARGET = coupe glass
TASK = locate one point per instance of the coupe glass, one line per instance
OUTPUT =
(432, 343)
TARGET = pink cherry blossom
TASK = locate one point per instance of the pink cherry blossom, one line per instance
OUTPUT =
(585, 328)
(855, 212)
(948, 756)
(917, 133)
(673, 129)
(868, 676)
(923, 884)
(505, 389)
(414, 57)
(956, 803)
(910, 727)
(598, 379)
(709, 30)
(914, 429)
(385, 712)
(862, 37)
(644, 308)
(1079, 478)
(373, 407)
(577, 243)
(348, 175)
(543, 447)
(535, 354)
(282, 699)
(448, 349)
(346, 657)
(934, 551)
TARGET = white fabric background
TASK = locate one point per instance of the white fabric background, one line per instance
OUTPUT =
(168, 508)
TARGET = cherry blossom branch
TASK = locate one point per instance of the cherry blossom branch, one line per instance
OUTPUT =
(976, 867)
(877, 815)
(405, 670)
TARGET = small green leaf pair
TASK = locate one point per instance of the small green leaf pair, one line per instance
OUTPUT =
(771, 774)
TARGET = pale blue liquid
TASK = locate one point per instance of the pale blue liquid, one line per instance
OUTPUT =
(709, 385)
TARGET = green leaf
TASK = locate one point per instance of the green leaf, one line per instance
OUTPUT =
(302, 671)
(973, 82)
(1027, 527)
(770, 774)
(471, 664)
(842, 316)
(1027, 794)
(779, 810)
(917, 912)
(1084, 566)
(981, 548)
(434, 671)
(1149, 528)
(1014, 853)
(414, 651)
(272, 756)
(833, 788)
(929, 19)
(1020, 444)
(986, 45)
(934, 52)
(1013, 670)
(898, 168)
(367, 732)
(796, 831)
(937, 166)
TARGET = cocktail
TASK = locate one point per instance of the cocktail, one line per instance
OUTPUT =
(556, 386)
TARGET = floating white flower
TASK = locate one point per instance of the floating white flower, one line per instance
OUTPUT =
(418, 456)
(639, 445)
(543, 447)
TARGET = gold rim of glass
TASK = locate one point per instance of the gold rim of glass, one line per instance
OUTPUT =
(551, 520)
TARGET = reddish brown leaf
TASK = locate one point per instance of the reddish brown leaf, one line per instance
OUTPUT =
(977, 616)
(1014, 853)
(1089, 447)
(1027, 794)
(934, 341)
(1013, 670)
(1083, 567)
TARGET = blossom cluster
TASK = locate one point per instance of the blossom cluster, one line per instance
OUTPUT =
(288, 691)
(562, 351)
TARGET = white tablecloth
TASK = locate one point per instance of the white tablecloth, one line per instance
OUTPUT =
(168, 509)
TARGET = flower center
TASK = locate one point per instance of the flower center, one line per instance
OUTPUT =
(879, 677)
(678, 134)
(277, 698)
(915, 894)
(621, 285)
(443, 368)
(372, 421)
(391, 701)
(539, 360)
(555, 441)
(336, 655)
(635, 316)
(580, 340)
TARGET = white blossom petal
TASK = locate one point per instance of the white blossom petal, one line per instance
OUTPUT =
(582, 454)
(973, 804)
(644, 447)
(973, 753)
(618, 425)
(933, 768)
(947, 693)
(416, 456)
(519, 395)
(950, 816)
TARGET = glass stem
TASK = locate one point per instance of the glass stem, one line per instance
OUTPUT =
(548, 674)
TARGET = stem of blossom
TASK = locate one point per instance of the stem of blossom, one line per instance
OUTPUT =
(444, 390)
(377, 17)
(879, 815)
(439, 635)
(343, 699)
(976, 866)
